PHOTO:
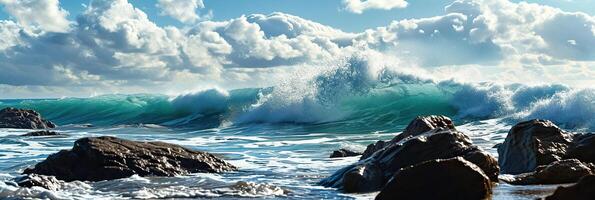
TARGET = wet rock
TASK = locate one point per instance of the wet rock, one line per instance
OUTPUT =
(564, 171)
(23, 119)
(583, 148)
(107, 158)
(344, 153)
(40, 133)
(583, 190)
(416, 127)
(439, 143)
(530, 144)
(454, 178)
(31, 180)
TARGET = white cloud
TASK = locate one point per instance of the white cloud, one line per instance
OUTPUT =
(182, 10)
(359, 6)
(43, 14)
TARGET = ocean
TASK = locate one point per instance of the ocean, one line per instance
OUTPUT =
(281, 136)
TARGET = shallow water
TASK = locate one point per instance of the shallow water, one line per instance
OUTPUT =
(275, 161)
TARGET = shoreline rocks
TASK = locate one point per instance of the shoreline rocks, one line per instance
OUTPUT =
(107, 158)
(454, 178)
(584, 189)
(23, 119)
(372, 173)
(35, 180)
(530, 144)
(559, 172)
(344, 153)
(41, 133)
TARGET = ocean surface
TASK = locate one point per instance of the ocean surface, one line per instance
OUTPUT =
(281, 137)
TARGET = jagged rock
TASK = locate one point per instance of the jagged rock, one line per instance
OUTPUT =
(31, 180)
(344, 153)
(583, 190)
(530, 144)
(106, 158)
(40, 133)
(417, 126)
(583, 148)
(439, 143)
(23, 119)
(564, 171)
(454, 178)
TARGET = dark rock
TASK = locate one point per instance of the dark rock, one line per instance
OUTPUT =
(31, 180)
(454, 178)
(583, 148)
(344, 153)
(435, 144)
(417, 126)
(583, 190)
(23, 119)
(564, 171)
(41, 133)
(530, 144)
(106, 158)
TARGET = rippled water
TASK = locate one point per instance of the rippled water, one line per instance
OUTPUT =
(275, 161)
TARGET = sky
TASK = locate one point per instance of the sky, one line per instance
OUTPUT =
(52, 48)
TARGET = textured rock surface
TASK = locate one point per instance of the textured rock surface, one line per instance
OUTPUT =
(417, 126)
(106, 158)
(31, 180)
(23, 119)
(344, 153)
(583, 148)
(41, 133)
(453, 178)
(530, 144)
(363, 176)
(564, 171)
(583, 190)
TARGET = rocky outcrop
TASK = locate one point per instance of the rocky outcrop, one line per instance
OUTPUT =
(454, 178)
(372, 173)
(40, 133)
(106, 158)
(530, 144)
(564, 171)
(344, 153)
(23, 119)
(583, 190)
(416, 127)
(35, 180)
(583, 148)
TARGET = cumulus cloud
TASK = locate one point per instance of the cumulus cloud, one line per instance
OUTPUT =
(359, 6)
(182, 10)
(43, 14)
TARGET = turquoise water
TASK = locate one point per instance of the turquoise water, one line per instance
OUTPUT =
(280, 137)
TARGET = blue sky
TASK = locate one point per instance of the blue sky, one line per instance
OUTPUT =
(52, 48)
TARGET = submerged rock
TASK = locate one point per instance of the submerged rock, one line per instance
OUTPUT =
(23, 119)
(530, 144)
(40, 133)
(454, 178)
(564, 171)
(416, 127)
(583, 190)
(344, 153)
(107, 158)
(31, 180)
(372, 173)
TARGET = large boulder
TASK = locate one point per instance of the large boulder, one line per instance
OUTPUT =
(454, 178)
(417, 126)
(559, 172)
(372, 173)
(106, 158)
(23, 119)
(583, 148)
(583, 190)
(344, 153)
(530, 144)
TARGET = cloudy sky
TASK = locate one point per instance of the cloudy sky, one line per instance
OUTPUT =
(52, 48)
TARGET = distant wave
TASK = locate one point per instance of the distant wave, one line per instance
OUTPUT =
(356, 92)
